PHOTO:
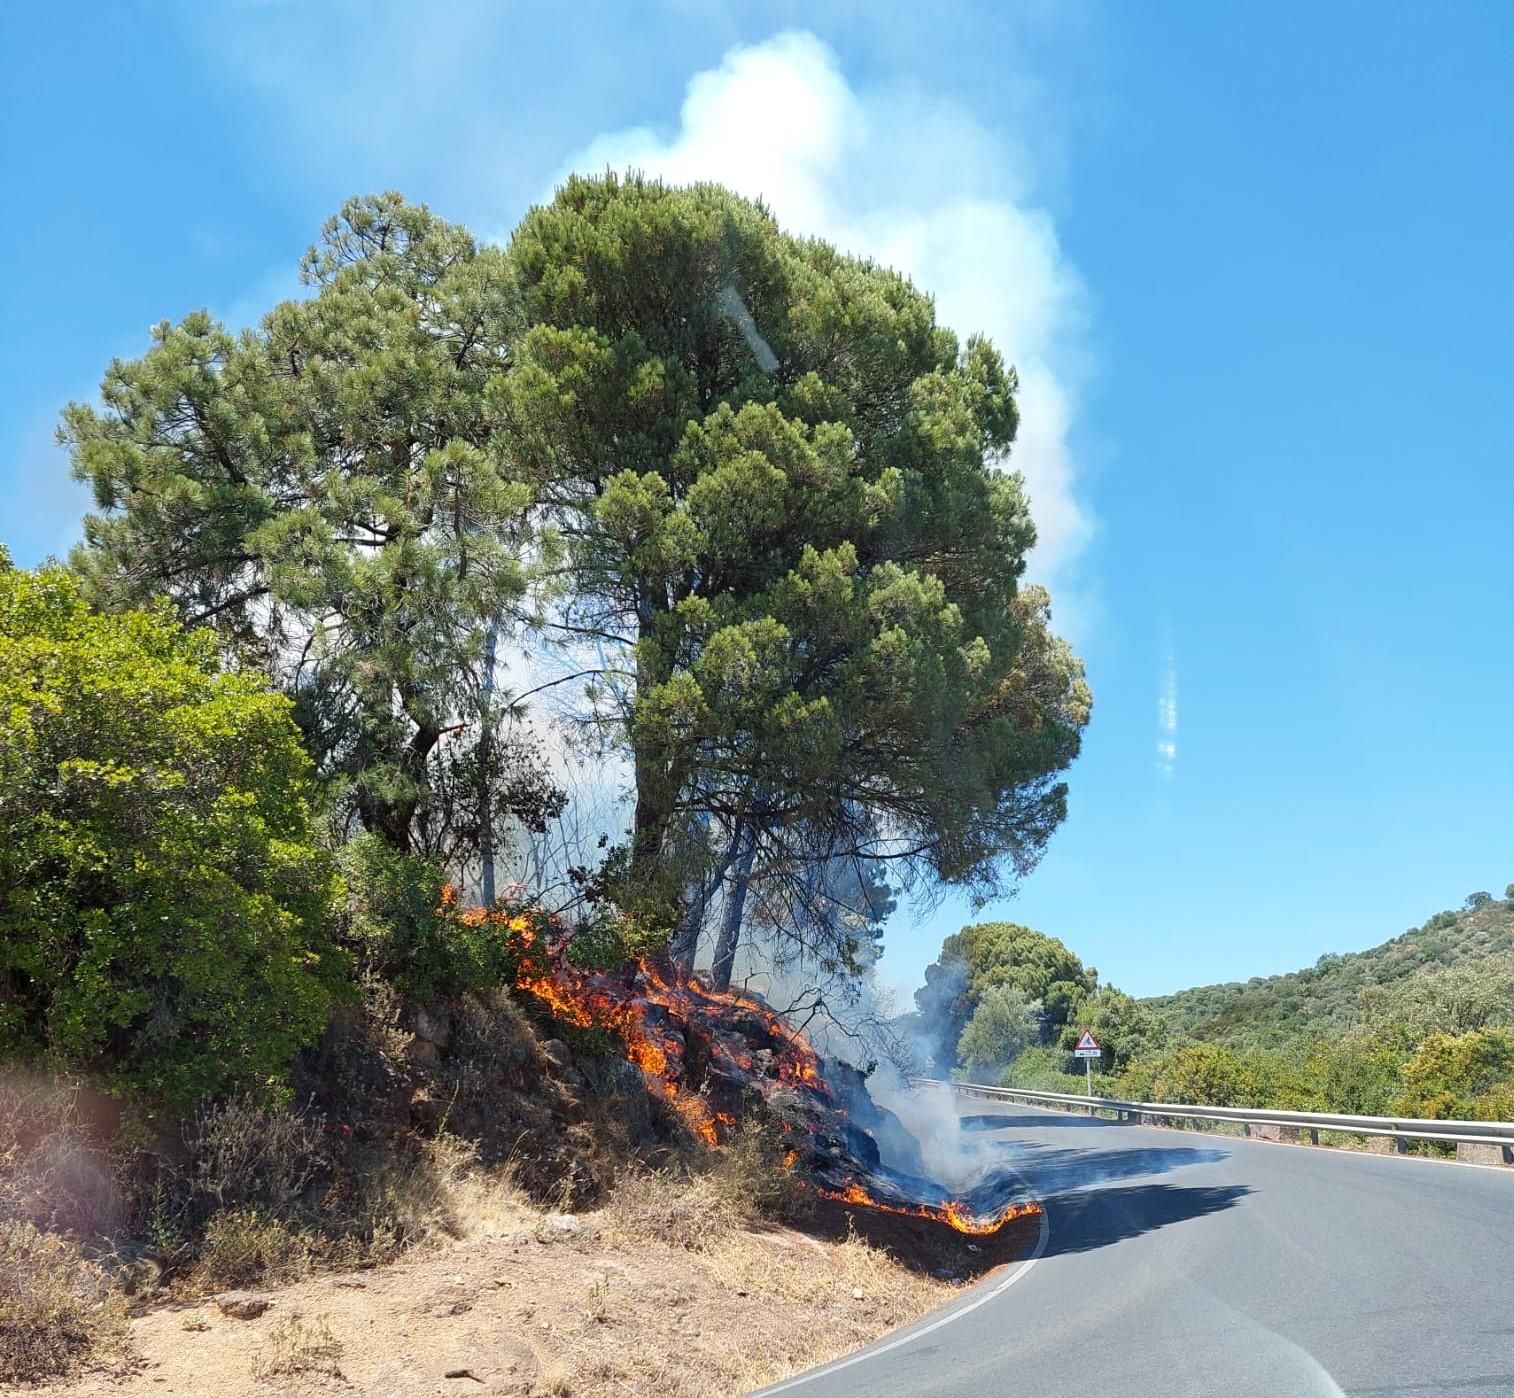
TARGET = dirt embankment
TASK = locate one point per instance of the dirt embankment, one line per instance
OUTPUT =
(663, 1291)
(399, 1231)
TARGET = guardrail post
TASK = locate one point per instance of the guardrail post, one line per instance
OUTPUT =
(1401, 1145)
(1476, 1153)
(1314, 1135)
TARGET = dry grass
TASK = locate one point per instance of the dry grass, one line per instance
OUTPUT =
(294, 1349)
(443, 1191)
(435, 1194)
(58, 1311)
(249, 1156)
(750, 1302)
(669, 1209)
(673, 1290)
(247, 1249)
(697, 1204)
(54, 1171)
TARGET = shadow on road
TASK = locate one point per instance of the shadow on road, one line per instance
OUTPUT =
(1082, 1221)
(999, 1122)
(1059, 1170)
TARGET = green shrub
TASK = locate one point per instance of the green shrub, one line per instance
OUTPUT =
(407, 928)
(58, 1310)
(1048, 1068)
(1449, 1074)
(1355, 1074)
(1005, 1023)
(605, 942)
(1194, 1073)
(1497, 1104)
(164, 909)
(1125, 1028)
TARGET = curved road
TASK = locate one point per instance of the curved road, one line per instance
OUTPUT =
(1176, 1265)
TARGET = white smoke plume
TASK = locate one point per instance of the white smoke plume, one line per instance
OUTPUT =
(919, 185)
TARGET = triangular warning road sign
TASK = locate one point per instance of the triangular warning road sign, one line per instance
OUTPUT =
(1085, 1041)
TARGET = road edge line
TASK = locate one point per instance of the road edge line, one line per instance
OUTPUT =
(1021, 1269)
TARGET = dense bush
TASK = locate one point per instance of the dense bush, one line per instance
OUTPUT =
(1195, 1073)
(1355, 1074)
(1048, 1068)
(164, 909)
(401, 919)
(407, 927)
(1124, 1027)
(1449, 1074)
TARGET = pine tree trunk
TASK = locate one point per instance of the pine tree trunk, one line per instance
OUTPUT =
(730, 918)
(486, 762)
(683, 947)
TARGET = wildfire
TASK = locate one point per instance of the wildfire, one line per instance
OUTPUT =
(953, 1213)
(647, 1056)
(700, 1050)
(626, 1003)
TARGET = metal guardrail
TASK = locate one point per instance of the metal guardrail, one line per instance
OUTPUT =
(1401, 1129)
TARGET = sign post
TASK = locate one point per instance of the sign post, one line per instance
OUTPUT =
(1088, 1049)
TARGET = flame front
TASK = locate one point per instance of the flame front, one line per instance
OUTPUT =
(639, 1005)
(955, 1213)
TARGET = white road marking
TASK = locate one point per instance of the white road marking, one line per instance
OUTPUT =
(967, 1308)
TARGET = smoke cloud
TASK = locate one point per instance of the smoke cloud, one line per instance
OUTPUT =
(917, 184)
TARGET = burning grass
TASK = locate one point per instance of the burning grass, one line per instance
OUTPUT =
(718, 1058)
(954, 1214)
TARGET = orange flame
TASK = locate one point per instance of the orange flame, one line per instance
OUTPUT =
(953, 1213)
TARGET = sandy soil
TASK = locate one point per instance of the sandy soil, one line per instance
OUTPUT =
(598, 1304)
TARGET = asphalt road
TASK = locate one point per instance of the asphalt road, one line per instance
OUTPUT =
(1175, 1264)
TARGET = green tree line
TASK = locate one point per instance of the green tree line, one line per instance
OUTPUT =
(1395, 1031)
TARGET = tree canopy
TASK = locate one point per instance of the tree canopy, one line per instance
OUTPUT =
(787, 546)
(990, 954)
(319, 490)
(165, 912)
(1004, 1024)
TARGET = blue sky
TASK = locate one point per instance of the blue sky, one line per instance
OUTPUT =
(1253, 263)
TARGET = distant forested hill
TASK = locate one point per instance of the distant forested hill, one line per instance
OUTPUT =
(1276, 1011)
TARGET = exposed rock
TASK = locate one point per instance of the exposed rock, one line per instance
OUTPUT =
(452, 1299)
(426, 1110)
(432, 1026)
(516, 1360)
(557, 1054)
(564, 1226)
(420, 1050)
(243, 1305)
